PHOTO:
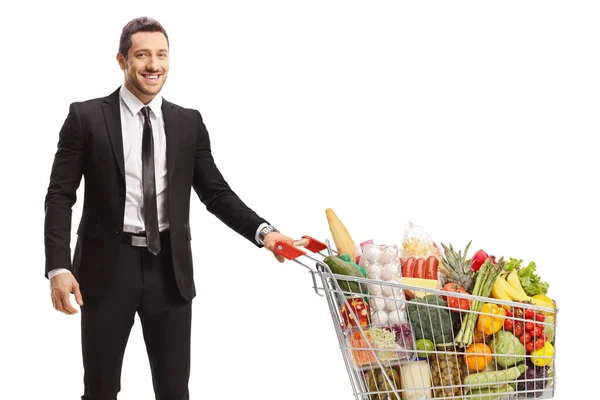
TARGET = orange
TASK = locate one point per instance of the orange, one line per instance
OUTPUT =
(479, 358)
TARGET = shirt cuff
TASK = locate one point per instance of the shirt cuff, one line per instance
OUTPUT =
(260, 228)
(57, 271)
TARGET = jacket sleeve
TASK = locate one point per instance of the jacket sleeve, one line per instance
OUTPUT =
(214, 192)
(65, 177)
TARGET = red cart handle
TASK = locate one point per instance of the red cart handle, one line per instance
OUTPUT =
(292, 252)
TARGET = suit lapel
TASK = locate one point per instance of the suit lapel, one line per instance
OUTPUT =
(112, 118)
(171, 119)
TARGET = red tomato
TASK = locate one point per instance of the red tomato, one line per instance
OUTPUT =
(530, 347)
(537, 332)
(529, 326)
(509, 314)
(518, 330)
(529, 313)
(541, 326)
(544, 336)
(455, 303)
(539, 343)
(540, 317)
(508, 325)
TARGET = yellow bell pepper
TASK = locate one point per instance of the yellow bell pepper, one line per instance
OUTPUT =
(491, 323)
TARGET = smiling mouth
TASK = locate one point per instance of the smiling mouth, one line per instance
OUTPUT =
(151, 77)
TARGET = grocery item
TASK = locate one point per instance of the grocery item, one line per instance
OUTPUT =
(358, 309)
(486, 380)
(478, 356)
(492, 319)
(542, 357)
(415, 377)
(533, 381)
(429, 321)
(424, 283)
(341, 267)
(490, 393)
(478, 259)
(456, 303)
(508, 349)
(529, 280)
(483, 286)
(447, 369)
(457, 267)
(342, 239)
(382, 380)
(382, 263)
(424, 348)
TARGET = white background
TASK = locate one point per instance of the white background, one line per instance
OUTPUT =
(475, 119)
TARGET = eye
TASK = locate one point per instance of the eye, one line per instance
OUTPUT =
(141, 55)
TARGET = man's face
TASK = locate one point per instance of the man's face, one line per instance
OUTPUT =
(147, 64)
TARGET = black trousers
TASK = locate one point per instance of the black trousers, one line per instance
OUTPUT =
(143, 284)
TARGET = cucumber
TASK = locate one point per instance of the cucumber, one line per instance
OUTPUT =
(341, 267)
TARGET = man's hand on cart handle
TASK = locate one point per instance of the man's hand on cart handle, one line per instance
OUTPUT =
(275, 237)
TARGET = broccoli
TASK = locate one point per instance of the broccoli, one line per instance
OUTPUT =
(431, 322)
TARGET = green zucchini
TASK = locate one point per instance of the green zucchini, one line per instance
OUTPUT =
(341, 267)
(490, 393)
(491, 378)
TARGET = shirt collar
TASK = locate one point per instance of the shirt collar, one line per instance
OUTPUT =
(135, 105)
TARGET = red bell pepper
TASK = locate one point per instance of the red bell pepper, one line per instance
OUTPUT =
(479, 258)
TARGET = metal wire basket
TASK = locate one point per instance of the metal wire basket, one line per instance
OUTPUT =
(398, 340)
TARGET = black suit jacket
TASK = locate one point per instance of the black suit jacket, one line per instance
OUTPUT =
(91, 145)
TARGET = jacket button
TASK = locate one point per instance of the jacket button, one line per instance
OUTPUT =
(118, 231)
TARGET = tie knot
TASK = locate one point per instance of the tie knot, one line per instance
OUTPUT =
(146, 112)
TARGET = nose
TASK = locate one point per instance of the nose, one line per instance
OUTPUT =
(152, 64)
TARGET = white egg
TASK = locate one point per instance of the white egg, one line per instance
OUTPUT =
(377, 303)
(391, 290)
(396, 317)
(390, 271)
(388, 254)
(392, 304)
(374, 271)
(380, 318)
(374, 289)
(372, 253)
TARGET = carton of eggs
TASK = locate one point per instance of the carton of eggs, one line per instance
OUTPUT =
(382, 263)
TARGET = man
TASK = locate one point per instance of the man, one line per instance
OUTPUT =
(140, 156)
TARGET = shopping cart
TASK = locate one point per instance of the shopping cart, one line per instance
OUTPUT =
(411, 354)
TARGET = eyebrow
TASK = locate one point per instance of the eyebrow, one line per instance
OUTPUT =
(138, 50)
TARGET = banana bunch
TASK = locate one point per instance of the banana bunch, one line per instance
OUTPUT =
(509, 288)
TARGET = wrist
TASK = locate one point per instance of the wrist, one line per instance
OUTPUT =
(264, 231)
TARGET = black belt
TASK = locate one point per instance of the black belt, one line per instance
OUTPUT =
(139, 239)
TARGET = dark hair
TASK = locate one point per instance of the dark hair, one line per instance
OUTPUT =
(141, 24)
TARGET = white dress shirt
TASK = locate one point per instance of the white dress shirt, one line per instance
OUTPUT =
(132, 128)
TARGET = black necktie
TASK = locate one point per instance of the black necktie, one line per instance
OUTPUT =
(149, 186)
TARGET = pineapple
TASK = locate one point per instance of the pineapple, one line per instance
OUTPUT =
(457, 267)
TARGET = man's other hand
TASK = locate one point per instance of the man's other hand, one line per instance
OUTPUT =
(61, 286)
(274, 237)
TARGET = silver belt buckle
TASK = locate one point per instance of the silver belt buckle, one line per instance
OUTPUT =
(139, 241)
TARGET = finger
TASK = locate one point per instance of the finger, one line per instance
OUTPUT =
(66, 302)
(53, 300)
(279, 258)
(56, 300)
(78, 297)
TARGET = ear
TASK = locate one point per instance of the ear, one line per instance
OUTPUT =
(122, 62)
